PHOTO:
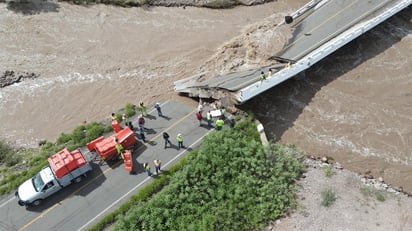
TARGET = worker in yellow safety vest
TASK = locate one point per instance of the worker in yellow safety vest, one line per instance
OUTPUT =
(179, 141)
(209, 119)
(118, 147)
(219, 123)
(262, 77)
(142, 108)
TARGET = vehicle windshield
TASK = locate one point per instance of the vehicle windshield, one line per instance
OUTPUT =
(38, 182)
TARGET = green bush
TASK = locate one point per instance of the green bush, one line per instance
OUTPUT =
(222, 4)
(232, 181)
(78, 138)
(328, 170)
(108, 128)
(93, 131)
(64, 138)
(47, 146)
(119, 117)
(380, 197)
(78, 134)
(6, 152)
(130, 110)
(368, 191)
(144, 194)
(13, 180)
(328, 197)
(13, 160)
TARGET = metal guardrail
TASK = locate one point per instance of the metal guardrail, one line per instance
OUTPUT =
(318, 54)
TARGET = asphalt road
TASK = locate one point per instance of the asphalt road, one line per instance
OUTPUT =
(78, 206)
(326, 22)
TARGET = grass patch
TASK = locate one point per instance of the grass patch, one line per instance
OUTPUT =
(368, 191)
(328, 197)
(380, 197)
(7, 154)
(222, 4)
(122, 3)
(328, 170)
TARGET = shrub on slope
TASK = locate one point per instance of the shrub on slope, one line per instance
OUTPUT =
(232, 181)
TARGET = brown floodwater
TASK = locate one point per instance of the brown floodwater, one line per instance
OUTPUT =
(93, 60)
(354, 106)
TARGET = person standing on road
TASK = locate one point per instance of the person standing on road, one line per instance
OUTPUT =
(146, 167)
(142, 108)
(269, 73)
(119, 147)
(209, 119)
(125, 119)
(199, 117)
(141, 121)
(142, 134)
(158, 109)
(219, 123)
(113, 117)
(200, 108)
(179, 141)
(262, 77)
(166, 138)
(157, 165)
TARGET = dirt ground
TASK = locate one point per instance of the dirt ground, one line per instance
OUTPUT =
(359, 205)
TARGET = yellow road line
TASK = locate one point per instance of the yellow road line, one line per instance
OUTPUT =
(321, 24)
(98, 176)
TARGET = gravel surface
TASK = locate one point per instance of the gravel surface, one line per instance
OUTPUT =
(361, 203)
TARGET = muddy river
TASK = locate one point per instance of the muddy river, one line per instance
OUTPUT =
(354, 106)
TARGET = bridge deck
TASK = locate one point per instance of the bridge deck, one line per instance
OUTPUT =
(319, 28)
(326, 22)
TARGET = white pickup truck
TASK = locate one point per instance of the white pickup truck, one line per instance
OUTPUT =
(64, 168)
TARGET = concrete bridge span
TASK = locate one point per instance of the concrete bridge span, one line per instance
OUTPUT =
(320, 27)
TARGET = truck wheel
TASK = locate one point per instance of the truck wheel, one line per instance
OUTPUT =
(37, 202)
(77, 179)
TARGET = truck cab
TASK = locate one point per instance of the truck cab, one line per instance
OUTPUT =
(36, 189)
(64, 168)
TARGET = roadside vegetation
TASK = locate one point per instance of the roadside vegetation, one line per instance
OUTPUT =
(368, 191)
(18, 165)
(328, 170)
(328, 197)
(217, 4)
(232, 180)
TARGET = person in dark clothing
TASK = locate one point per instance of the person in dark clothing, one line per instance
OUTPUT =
(199, 117)
(158, 109)
(166, 138)
(141, 121)
(142, 134)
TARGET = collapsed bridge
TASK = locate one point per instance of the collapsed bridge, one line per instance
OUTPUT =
(319, 28)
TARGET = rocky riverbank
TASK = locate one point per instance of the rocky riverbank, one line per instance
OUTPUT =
(9, 77)
(360, 201)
